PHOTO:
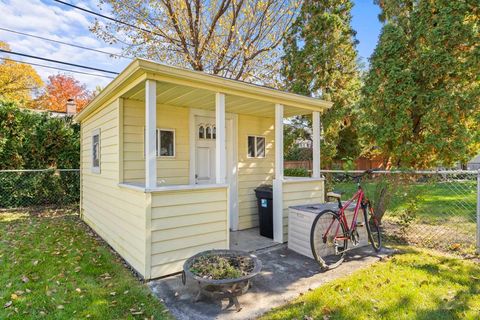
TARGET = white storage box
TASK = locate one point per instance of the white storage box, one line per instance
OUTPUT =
(300, 220)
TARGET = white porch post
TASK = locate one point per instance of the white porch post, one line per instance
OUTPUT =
(278, 181)
(150, 134)
(220, 148)
(316, 144)
(279, 141)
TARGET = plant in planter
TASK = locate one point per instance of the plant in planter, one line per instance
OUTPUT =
(222, 273)
(222, 267)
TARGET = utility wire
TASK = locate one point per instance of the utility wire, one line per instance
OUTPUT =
(57, 61)
(57, 68)
(125, 23)
(107, 17)
(65, 43)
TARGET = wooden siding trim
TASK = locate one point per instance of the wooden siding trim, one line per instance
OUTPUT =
(185, 222)
(120, 139)
(298, 191)
(148, 236)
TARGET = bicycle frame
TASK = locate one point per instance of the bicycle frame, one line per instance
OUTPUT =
(359, 196)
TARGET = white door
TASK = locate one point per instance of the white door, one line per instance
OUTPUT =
(205, 150)
(204, 162)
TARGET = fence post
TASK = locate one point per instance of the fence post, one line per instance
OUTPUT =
(478, 211)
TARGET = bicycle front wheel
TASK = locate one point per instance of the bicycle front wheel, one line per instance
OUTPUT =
(373, 228)
(328, 239)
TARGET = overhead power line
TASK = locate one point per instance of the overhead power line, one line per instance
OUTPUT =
(107, 17)
(57, 68)
(57, 61)
(65, 43)
(126, 23)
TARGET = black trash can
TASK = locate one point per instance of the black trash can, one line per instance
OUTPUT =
(264, 195)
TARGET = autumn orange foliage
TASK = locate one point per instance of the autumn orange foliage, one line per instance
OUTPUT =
(59, 89)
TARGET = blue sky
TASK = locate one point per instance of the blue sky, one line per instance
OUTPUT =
(365, 22)
(49, 19)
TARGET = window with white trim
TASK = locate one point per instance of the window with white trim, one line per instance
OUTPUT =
(256, 147)
(164, 143)
(96, 151)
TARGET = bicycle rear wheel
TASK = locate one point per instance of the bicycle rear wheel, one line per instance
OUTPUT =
(373, 228)
(328, 239)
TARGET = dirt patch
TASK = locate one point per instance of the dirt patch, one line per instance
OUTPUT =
(219, 267)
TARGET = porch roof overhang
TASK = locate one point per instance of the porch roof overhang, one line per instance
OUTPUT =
(187, 88)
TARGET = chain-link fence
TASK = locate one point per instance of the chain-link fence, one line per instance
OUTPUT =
(39, 188)
(435, 209)
(427, 208)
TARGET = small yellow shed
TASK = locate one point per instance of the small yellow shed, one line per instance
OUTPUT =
(170, 159)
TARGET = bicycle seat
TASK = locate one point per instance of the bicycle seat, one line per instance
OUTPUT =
(336, 195)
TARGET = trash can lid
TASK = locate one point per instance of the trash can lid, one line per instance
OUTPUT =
(264, 188)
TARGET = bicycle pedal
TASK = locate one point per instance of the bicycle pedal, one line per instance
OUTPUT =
(360, 224)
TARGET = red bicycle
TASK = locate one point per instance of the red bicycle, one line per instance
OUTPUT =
(331, 233)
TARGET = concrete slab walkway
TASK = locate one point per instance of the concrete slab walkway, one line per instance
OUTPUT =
(284, 276)
(250, 240)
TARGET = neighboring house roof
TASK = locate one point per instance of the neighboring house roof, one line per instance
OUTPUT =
(139, 70)
(475, 159)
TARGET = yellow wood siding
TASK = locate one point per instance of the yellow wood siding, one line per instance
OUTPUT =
(185, 222)
(171, 171)
(298, 193)
(253, 172)
(116, 214)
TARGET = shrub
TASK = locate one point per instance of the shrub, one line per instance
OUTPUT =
(31, 140)
(296, 172)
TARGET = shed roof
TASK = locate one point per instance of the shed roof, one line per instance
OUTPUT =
(139, 70)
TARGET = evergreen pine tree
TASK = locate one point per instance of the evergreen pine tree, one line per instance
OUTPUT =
(321, 61)
(421, 98)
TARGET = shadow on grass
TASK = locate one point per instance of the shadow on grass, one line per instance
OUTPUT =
(53, 266)
(411, 285)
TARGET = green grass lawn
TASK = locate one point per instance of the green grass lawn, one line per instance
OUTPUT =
(52, 267)
(412, 285)
(437, 202)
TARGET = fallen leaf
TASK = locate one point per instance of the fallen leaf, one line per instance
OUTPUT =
(137, 313)
(25, 279)
(13, 296)
(8, 304)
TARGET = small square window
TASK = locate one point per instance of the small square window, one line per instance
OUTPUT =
(164, 143)
(251, 147)
(96, 151)
(256, 147)
(260, 149)
(167, 143)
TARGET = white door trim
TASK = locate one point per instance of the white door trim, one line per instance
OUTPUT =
(232, 179)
